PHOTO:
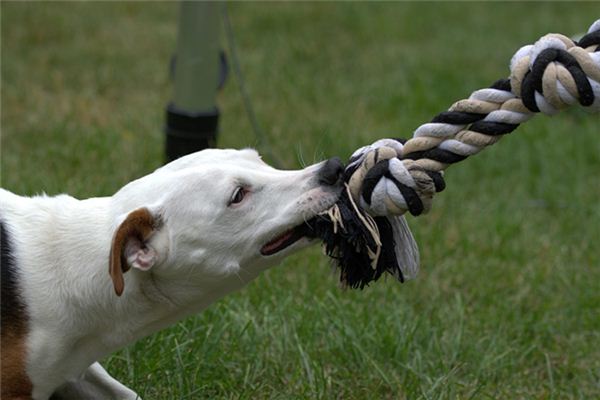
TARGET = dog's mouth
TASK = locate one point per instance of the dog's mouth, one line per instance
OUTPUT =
(285, 240)
(307, 229)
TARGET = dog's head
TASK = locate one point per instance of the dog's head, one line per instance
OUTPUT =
(217, 213)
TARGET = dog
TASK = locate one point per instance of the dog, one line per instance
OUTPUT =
(84, 278)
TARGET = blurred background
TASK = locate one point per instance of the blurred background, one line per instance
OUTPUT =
(507, 302)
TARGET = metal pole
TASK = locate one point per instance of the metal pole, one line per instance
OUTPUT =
(192, 116)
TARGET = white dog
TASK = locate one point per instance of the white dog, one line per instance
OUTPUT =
(83, 278)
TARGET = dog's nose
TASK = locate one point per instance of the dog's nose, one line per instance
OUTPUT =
(331, 171)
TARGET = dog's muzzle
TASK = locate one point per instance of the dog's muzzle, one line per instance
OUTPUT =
(328, 175)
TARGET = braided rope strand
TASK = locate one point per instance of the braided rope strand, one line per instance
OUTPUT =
(391, 177)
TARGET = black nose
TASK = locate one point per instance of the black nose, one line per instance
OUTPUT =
(331, 171)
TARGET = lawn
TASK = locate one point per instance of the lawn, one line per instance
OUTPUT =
(507, 303)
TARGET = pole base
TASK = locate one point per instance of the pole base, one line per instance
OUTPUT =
(189, 132)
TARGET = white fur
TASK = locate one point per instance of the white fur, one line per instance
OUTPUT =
(204, 250)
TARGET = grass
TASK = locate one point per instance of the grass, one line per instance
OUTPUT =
(507, 303)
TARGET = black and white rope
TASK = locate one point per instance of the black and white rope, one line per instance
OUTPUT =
(392, 176)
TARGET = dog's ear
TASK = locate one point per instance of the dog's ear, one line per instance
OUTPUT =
(130, 246)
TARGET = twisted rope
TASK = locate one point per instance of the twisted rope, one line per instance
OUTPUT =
(393, 176)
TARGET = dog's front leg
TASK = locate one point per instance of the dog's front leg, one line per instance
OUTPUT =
(95, 384)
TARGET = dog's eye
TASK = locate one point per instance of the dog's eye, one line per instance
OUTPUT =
(238, 195)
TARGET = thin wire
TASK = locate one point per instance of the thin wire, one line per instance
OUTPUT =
(261, 137)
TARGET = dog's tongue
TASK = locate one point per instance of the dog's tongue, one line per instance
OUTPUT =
(276, 244)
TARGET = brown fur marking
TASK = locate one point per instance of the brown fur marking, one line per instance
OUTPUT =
(15, 383)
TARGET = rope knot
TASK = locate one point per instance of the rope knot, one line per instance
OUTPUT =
(557, 72)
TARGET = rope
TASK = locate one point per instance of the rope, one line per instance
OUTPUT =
(393, 176)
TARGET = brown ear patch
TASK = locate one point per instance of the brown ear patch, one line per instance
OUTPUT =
(139, 224)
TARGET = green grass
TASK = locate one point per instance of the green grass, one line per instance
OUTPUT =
(507, 304)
